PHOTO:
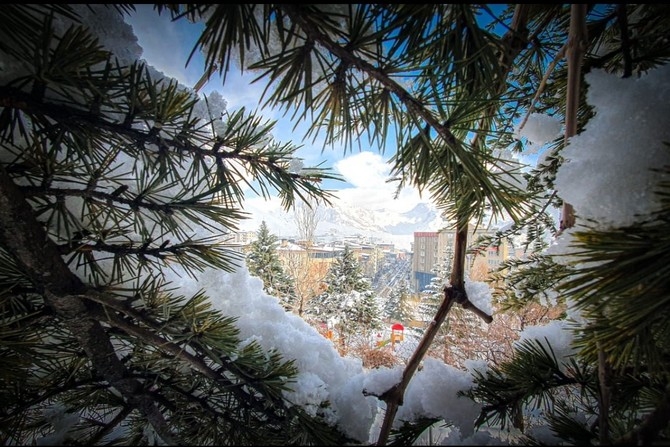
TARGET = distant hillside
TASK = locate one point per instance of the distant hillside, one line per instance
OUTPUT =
(380, 225)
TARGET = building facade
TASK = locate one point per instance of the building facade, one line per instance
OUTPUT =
(425, 257)
(432, 248)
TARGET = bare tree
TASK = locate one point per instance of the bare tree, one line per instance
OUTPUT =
(308, 277)
(307, 214)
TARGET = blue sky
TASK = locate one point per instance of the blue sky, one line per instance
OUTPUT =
(166, 45)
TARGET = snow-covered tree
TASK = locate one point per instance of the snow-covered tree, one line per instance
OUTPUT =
(345, 274)
(399, 305)
(263, 261)
(348, 303)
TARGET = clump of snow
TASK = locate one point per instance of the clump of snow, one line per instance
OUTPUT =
(433, 391)
(324, 374)
(112, 32)
(479, 294)
(556, 335)
(476, 365)
(382, 379)
(539, 129)
(610, 169)
(607, 174)
(216, 105)
(119, 39)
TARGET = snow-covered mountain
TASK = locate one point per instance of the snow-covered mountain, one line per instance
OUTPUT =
(342, 220)
(421, 218)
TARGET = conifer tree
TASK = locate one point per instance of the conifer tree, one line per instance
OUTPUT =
(263, 261)
(348, 302)
(398, 306)
(345, 275)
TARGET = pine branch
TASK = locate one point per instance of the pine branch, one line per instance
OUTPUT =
(651, 426)
(530, 378)
(455, 156)
(47, 395)
(265, 164)
(82, 310)
(114, 200)
(27, 242)
(543, 83)
(178, 351)
(110, 426)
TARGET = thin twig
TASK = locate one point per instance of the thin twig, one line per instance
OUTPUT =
(560, 55)
(455, 293)
(574, 51)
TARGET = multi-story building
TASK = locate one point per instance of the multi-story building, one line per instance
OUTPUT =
(241, 237)
(239, 241)
(432, 249)
(425, 257)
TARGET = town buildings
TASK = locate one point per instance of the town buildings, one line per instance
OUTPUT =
(309, 262)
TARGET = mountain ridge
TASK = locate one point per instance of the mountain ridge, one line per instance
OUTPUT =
(345, 220)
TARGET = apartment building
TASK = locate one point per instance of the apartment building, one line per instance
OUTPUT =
(426, 254)
(431, 249)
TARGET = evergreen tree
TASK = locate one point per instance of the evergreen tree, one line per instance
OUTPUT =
(362, 314)
(348, 302)
(263, 261)
(398, 306)
(345, 275)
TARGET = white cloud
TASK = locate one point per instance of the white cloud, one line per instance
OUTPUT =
(368, 172)
(365, 169)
